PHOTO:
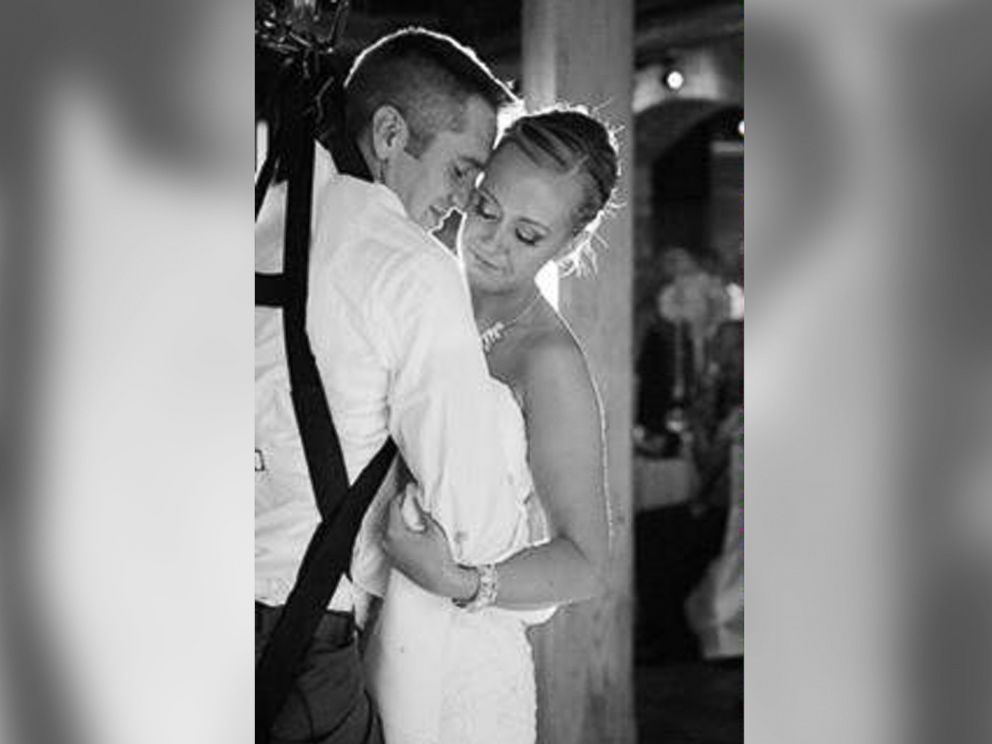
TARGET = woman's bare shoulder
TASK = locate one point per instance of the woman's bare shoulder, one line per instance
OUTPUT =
(553, 362)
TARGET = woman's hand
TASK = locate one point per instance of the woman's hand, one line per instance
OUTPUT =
(422, 551)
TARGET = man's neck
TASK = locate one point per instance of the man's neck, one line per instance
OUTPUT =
(365, 149)
(349, 157)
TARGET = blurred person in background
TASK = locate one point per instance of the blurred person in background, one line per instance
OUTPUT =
(690, 372)
(665, 375)
(676, 357)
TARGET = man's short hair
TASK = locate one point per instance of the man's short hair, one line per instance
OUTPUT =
(427, 77)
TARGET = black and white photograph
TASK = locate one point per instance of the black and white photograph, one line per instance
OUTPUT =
(499, 394)
(482, 351)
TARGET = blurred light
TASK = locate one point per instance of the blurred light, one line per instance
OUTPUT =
(740, 128)
(649, 88)
(736, 294)
(674, 79)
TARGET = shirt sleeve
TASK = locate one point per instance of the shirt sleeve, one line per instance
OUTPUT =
(442, 411)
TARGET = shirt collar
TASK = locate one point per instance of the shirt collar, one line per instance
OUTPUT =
(389, 199)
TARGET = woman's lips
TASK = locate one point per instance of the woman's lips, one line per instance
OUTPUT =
(490, 266)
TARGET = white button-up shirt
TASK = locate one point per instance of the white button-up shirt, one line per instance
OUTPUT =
(390, 323)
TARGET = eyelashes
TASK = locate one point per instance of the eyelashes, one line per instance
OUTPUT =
(479, 206)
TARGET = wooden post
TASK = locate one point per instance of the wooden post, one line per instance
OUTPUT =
(581, 52)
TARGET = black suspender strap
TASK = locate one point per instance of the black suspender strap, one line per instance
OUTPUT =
(341, 506)
(321, 447)
(270, 290)
(265, 177)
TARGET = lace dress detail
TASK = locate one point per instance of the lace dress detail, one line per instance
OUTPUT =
(490, 695)
(465, 677)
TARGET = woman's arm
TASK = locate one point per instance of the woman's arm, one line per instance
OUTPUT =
(565, 444)
(565, 450)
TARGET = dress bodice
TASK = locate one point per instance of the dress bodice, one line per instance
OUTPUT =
(513, 435)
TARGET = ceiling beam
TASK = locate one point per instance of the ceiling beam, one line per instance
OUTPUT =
(660, 32)
(657, 32)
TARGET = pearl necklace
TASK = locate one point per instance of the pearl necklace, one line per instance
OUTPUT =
(491, 335)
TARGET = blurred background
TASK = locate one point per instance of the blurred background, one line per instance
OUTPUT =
(125, 398)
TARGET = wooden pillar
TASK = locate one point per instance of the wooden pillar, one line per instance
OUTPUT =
(581, 52)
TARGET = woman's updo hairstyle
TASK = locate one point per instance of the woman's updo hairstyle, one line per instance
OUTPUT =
(569, 140)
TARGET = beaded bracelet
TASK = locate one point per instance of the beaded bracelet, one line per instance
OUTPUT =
(488, 589)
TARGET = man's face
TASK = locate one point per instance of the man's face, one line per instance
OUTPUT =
(443, 176)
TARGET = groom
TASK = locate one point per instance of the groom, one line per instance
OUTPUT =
(390, 324)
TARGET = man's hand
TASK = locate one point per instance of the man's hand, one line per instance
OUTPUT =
(424, 554)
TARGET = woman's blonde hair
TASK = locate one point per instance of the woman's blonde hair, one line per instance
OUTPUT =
(569, 140)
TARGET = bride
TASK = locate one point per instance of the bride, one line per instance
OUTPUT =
(448, 660)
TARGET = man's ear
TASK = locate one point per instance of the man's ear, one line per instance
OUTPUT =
(390, 132)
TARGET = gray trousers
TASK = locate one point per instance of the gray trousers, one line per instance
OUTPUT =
(328, 703)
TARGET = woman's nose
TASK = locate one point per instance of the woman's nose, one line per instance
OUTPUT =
(487, 238)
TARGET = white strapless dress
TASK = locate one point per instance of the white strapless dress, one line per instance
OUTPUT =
(441, 675)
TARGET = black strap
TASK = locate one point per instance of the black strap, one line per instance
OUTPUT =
(321, 447)
(270, 290)
(265, 177)
(326, 559)
(341, 506)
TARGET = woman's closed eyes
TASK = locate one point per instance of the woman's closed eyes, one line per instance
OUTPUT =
(486, 207)
(527, 236)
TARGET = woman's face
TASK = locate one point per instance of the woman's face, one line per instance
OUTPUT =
(519, 218)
